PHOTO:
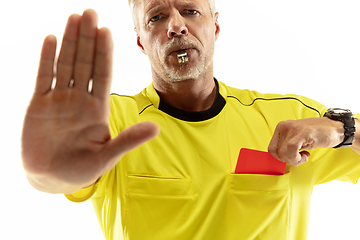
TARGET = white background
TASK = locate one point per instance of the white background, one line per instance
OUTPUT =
(308, 47)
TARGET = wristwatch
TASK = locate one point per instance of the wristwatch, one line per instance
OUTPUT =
(345, 116)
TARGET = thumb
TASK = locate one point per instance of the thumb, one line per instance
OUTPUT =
(304, 157)
(127, 140)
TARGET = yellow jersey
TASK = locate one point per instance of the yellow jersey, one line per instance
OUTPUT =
(181, 185)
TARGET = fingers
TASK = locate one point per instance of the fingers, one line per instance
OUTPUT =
(76, 58)
(273, 145)
(103, 64)
(134, 136)
(289, 154)
(65, 65)
(84, 60)
(86, 53)
(46, 65)
(287, 143)
(127, 140)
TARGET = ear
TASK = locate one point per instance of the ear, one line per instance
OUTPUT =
(138, 42)
(217, 26)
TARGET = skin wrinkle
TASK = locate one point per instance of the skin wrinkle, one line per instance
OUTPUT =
(189, 40)
(174, 31)
(177, 29)
(179, 74)
(132, 5)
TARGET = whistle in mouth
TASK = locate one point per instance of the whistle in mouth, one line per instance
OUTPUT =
(182, 57)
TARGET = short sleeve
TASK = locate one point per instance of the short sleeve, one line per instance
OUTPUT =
(83, 194)
(335, 164)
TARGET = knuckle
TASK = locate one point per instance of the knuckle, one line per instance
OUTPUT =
(292, 146)
(282, 154)
(285, 125)
(271, 150)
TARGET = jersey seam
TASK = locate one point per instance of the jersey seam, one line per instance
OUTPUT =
(119, 95)
(145, 108)
(134, 100)
(274, 99)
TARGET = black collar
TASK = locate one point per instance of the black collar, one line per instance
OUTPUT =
(214, 110)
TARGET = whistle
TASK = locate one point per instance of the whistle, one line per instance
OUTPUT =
(182, 57)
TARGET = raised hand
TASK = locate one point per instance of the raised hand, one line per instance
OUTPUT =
(66, 144)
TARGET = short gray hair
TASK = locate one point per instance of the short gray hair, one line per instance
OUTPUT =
(132, 4)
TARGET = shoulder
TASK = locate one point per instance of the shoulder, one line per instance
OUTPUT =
(138, 101)
(116, 99)
(123, 113)
(302, 107)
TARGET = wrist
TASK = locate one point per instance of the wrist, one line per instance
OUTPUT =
(345, 117)
(357, 132)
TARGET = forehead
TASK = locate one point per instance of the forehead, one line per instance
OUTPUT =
(147, 5)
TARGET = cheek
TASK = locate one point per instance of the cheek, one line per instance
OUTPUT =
(152, 45)
(154, 49)
(205, 35)
(210, 34)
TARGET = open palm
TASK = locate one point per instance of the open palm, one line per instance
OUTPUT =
(66, 134)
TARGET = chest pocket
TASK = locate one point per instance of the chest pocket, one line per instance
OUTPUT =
(258, 206)
(157, 207)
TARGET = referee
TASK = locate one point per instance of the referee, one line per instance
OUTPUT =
(161, 164)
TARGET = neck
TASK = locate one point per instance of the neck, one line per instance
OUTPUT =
(193, 95)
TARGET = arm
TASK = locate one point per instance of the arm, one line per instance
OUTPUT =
(356, 143)
(293, 138)
(66, 144)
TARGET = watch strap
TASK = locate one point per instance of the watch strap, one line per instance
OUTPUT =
(349, 134)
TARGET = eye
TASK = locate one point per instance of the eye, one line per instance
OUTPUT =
(192, 12)
(155, 18)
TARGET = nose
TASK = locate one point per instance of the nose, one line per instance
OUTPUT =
(177, 26)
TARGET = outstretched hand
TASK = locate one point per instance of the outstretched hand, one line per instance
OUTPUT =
(66, 135)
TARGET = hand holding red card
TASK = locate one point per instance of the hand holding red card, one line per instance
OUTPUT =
(258, 162)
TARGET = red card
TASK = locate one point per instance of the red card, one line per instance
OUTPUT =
(258, 162)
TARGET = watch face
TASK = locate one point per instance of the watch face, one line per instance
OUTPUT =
(343, 115)
(339, 111)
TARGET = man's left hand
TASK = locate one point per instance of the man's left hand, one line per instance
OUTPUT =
(293, 138)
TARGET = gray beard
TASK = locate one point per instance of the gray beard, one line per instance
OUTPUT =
(184, 72)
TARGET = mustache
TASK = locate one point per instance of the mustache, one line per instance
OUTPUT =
(178, 44)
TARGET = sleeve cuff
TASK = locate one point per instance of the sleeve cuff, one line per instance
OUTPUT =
(83, 194)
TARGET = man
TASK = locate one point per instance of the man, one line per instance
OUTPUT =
(185, 131)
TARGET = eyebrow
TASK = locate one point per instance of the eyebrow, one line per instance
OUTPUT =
(150, 9)
(152, 6)
(154, 10)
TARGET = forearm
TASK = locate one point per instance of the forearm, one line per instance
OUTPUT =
(356, 142)
(49, 184)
